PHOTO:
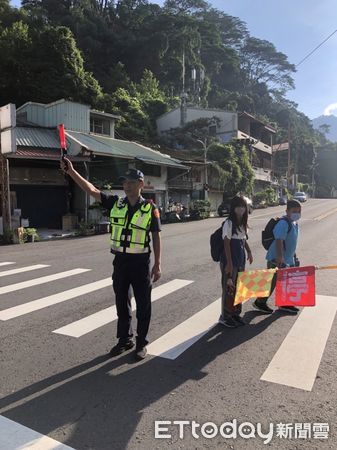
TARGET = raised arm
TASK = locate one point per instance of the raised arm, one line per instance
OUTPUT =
(87, 187)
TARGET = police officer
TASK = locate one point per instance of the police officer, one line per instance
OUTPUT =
(132, 220)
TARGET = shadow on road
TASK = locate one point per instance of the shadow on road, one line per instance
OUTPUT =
(103, 408)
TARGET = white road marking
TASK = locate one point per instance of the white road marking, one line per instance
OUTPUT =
(6, 263)
(41, 280)
(14, 436)
(180, 338)
(35, 305)
(23, 269)
(107, 315)
(297, 360)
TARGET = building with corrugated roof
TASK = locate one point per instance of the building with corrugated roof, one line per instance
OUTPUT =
(41, 191)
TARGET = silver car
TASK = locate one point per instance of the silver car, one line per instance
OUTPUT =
(300, 196)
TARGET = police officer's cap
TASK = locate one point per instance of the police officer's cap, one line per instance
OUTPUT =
(132, 174)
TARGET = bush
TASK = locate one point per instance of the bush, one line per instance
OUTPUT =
(30, 235)
(200, 209)
(271, 196)
(259, 198)
(85, 228)
(7, 237)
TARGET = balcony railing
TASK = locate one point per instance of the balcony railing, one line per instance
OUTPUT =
(180, 184)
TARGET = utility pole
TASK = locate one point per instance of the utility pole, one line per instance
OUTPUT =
(313, 182)
(288, 170)
(204, 144)
(7, 145)
(5, 194)
(183, 96)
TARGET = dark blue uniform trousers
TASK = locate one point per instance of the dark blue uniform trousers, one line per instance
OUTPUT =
(132, 270)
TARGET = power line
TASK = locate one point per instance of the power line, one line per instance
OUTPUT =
(315, 49)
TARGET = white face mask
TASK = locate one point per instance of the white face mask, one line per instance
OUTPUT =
(240, 210)
(295, 217)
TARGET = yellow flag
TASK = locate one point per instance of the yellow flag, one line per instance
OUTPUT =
(253, 283)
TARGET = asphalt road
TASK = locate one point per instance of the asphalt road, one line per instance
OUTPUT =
(66, 388)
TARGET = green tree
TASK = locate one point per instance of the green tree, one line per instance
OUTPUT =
(262, 63)
(237, 173)
(43, 65)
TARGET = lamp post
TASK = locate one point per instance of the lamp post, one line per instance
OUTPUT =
(204, 144)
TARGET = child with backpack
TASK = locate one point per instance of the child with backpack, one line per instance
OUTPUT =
(281, 250)
(233, 260)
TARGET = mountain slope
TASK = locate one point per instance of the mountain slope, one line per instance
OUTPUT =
(328, 120)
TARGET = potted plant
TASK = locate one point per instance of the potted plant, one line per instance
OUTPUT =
(30, 235)
(85, 228)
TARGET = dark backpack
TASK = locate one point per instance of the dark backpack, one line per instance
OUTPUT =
(267, 233)
(216, 242)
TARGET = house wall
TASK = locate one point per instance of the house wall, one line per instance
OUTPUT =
(228, 120)
(215, 199)
(75, 116)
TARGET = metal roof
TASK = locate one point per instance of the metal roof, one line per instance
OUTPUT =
(31, 153)
(104, 114)
(44, 138)
(122, 149)
(36, 137)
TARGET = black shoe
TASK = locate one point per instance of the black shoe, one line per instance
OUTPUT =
(140, 353)
(229, 322)
(289, 309)
(239, 320)
(262, 307)
(121, 347)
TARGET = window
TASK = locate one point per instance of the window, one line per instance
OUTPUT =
(99, 126)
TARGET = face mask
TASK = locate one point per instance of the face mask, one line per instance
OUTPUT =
(295, 217)
(240, 211)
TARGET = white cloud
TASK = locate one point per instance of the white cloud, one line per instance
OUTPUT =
(330, 108)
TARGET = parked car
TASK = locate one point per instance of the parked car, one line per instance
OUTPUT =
(224, 207)
(300, 196)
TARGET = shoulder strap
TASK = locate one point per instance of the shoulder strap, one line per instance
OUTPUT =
(288, 222)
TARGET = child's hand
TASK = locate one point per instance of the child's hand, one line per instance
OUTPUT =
(230, 285)
(250, 257)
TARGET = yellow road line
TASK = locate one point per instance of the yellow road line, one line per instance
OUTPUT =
(323, 216)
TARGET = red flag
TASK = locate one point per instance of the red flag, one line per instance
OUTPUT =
(295, 286)
(62, 137)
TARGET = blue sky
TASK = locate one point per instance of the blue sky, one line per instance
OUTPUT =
(295, 27)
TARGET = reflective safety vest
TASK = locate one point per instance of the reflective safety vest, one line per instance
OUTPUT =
(130, 236)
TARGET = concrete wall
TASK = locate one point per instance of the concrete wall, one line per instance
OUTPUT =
(215, 199)
(228, 120)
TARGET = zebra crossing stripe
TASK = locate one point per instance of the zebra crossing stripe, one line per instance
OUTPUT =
(107, 315)
(35, 305)
(14, 436)
(6, 263)
(41, 280)
(180, 338)
(297, 360)
(23, 269)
